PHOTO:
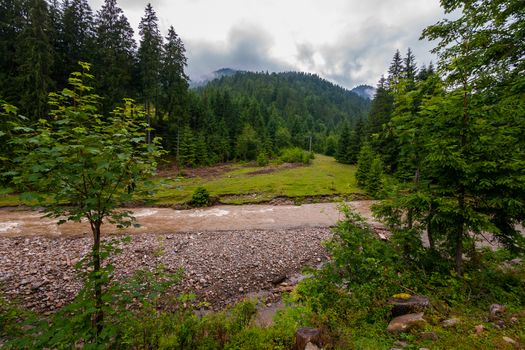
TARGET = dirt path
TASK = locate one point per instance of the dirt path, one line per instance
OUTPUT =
(23, 222)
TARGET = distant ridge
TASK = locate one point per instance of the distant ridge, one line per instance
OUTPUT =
(365, 91)
(301, 99)
(219, 73)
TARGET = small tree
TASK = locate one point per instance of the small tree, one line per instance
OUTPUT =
(374, 181)
(87, 165)
(364, 162)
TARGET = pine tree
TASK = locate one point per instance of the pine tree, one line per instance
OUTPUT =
(364, 163)
(374, 180)
(78, 35)
(409, 71)
(343, 145)
(395, 72)
(187, 148)
(11, 24)
(149, 59)
(115, 54)
(174, 82)
(35, 56)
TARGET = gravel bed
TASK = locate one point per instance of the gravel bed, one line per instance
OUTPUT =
(220, 267)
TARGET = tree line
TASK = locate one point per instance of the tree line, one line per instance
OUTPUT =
(236, 117)
(452, 136)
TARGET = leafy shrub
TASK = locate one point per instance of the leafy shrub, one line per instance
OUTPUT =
(295, 155)
(262, 159)
(200, 197)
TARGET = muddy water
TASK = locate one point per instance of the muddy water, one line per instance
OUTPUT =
(23, 222)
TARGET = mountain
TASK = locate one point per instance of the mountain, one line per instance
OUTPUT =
(365, 91)
(296, 97)
(205, 79)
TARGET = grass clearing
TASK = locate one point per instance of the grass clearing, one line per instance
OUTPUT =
(242, 184)
(250, 184)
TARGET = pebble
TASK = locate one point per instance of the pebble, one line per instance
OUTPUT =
(222, 264)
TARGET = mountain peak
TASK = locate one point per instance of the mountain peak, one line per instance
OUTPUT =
(365, 91)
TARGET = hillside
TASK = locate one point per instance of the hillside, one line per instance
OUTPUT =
(305, 96)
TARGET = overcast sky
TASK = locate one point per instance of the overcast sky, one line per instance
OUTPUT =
(348, 42)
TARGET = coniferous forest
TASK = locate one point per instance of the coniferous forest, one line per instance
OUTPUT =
(98, 126)
(45, 40)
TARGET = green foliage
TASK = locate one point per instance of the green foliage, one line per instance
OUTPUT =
(200, 197)
(262, 159)
(364, 163)
(295, 155)
(248, 143)
(87, 165)
(374, 181)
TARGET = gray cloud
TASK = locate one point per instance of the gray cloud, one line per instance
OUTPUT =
(361, 55)
(246, 48)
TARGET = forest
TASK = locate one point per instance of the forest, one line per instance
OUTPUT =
(90, 118)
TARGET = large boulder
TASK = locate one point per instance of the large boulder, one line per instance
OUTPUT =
(403, 304)
(405, 323)
(496, 311)
(307, 338)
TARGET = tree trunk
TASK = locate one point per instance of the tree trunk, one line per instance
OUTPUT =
(430, 231)
(459, 234)
(98, 317)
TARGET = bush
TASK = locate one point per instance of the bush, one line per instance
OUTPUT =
(262, 159)
(295, 155)
(201, 197)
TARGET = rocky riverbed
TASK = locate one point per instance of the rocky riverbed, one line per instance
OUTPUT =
(221, 267)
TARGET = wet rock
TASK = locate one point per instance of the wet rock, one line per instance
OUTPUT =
(428, 336)
(406, 323)
(400, 344)
(479, 329)
(496, 310)
(451, 322)
(278, 279)
(510, 341)
(305, 336)
(410, 305)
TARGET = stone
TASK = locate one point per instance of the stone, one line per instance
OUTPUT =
(479, 329)
(406, 322)
(451, 322)
(410, 305)
(510, 341)
(305, 336)
(311, 346)
(428, 336)
(496, 310)
(401, 344)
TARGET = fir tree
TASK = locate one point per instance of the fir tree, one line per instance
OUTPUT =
(343, 145)
(35, 56)
(364, 163)
(149, 59)
(77, 34)
(173, 78)
(11, 24)
(115, 54)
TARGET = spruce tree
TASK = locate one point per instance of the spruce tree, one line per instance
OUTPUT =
(115, 55)
(364, 163)
(174, 82)
(374, 180)
(343, 145)
(149, 60)
(395, 72)
(78, 34)
(35, 58)
(12, 16)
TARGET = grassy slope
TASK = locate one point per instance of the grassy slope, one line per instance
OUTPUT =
(324, 177)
